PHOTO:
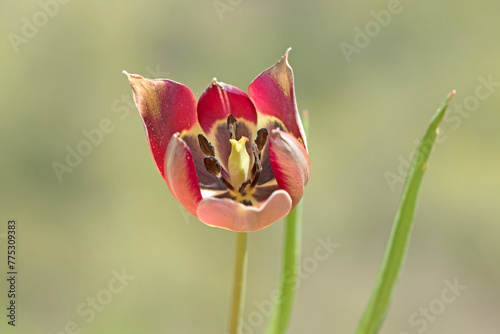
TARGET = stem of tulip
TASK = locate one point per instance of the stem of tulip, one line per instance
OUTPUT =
(280, 318)
(289, 276)
(240, 269)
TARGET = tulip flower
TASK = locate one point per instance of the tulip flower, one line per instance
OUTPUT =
(233, 160)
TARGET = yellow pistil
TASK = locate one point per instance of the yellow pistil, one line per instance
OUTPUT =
(239, 162)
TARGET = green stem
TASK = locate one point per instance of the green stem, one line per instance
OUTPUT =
(289, 276)
(240, 269)
(280, 318)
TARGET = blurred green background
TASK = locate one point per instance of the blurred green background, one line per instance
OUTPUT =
(113, 210)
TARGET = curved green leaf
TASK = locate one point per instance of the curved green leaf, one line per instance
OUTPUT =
(397, 245)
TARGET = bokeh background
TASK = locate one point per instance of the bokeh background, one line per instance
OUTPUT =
(114, 212)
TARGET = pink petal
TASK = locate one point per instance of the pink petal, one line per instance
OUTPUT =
(273, 95)
(180, 174)
(229, 214)
(290, 163)
(221, 100)
(166, 107)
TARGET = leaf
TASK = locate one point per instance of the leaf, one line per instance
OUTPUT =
(397, 245)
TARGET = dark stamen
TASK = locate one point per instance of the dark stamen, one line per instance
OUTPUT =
(227, 183)
(205, 145)
(261, 139)
(243, 187)
(214, 167)
(256, 155)
(254, 169)
(255, 179)
(231, 126)
(257, 165)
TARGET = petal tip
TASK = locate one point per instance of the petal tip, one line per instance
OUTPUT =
(131, 77)
(219, 84)
(284, 58)
(287, 52)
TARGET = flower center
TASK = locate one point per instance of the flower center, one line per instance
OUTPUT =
(240, 180)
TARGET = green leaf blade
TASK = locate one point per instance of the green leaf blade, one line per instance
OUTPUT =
(397, 245)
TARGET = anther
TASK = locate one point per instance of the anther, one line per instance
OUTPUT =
(257, 165)
(243, 187)
(205, 145)
(256, 155)
(261, 139)
(231, 126)
(214, 167)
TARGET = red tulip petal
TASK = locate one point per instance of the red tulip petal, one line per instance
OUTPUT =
(215, 105)
(234, 216)
(290, 163)
(166, 107)
(180, 174)
(219, 101)
(272, 93)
